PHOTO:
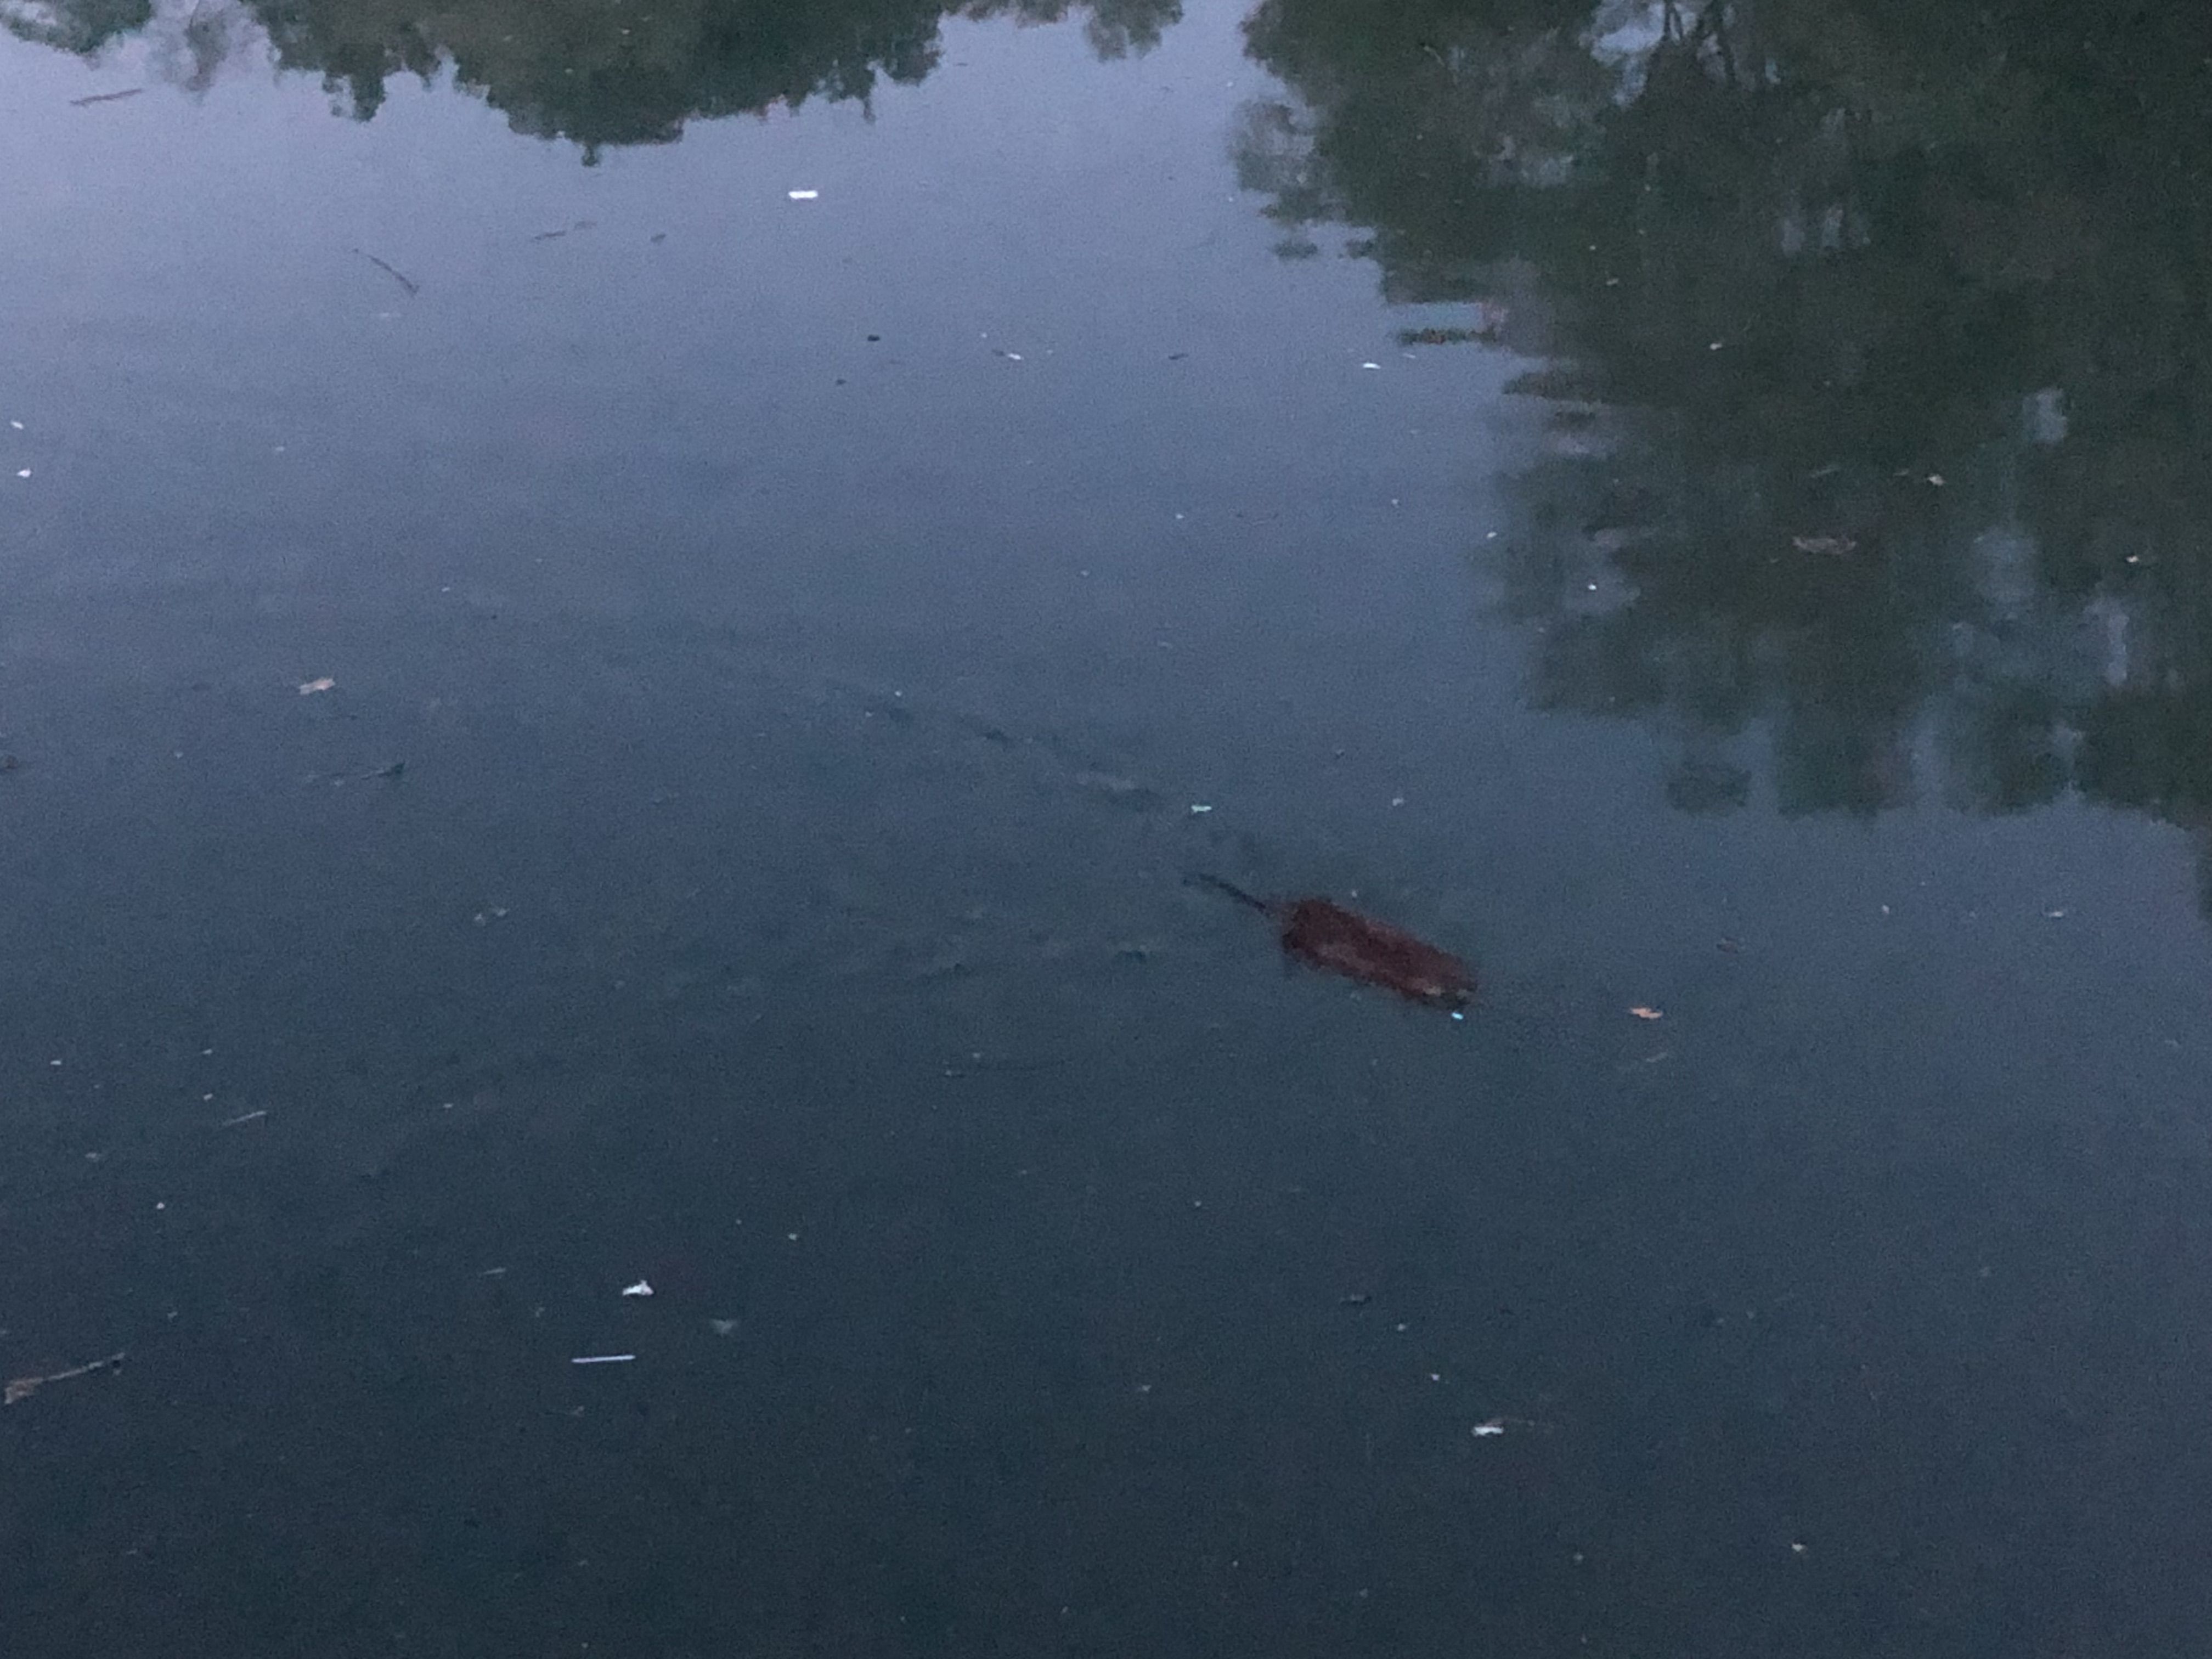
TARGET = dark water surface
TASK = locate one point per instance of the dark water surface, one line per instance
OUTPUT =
(1703, 512)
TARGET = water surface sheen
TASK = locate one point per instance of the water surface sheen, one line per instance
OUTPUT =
(620, 625)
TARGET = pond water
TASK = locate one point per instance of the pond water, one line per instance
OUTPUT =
(621, 627)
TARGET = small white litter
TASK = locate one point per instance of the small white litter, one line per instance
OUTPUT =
(603, 1359)
(641, 1288)
(804, 194)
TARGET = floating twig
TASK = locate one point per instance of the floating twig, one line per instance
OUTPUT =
(106, 97)
(400, 277)
(22, 1388)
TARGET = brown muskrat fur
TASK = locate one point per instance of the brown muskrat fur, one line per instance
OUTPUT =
(1324, 933)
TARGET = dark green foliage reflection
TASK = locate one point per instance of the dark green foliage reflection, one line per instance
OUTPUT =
(1878, 332)
(629, 72)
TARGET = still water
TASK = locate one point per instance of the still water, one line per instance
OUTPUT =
(621, 625)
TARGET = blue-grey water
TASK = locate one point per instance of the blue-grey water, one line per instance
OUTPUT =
(619, 628)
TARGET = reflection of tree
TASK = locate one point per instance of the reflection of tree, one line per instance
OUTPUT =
(82, 27)
(1879, 399)
(597, 72)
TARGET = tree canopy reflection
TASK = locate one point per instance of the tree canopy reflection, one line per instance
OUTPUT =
(1878, 337)
(596, 72)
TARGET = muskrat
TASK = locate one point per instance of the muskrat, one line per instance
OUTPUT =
(1323, 932)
